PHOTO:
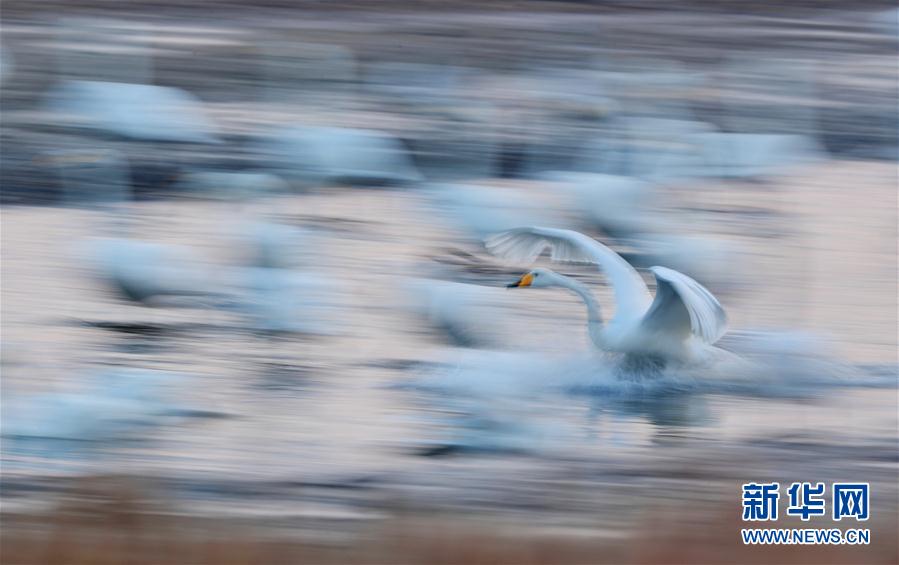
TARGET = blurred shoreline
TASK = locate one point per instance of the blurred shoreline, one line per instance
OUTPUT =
(110, 519)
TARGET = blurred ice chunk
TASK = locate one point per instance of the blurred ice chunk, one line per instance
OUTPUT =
(136, 111)
(330, 154)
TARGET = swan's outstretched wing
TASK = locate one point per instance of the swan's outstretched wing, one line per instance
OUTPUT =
(683, 306)
(526, 244)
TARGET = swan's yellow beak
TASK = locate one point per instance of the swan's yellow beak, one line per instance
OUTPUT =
(525, 280)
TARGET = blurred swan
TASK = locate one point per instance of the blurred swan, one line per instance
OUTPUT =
(479, 425)
(616, 204)
(468, 315)
(99, 179)
(622, 207)
(680, 324)
(279, 286)
(481, 210)
(113, 404)
(143, 272)
(134, 111)
(275, 245)
(316, 155)
(646, 147)
(715, 260)
(277, 301)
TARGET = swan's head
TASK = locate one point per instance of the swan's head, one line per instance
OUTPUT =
(537, 278)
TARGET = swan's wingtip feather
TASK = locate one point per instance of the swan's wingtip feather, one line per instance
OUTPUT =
(665, 272)
(707, 317)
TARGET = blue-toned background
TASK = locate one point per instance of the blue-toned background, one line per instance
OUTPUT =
(313, 358)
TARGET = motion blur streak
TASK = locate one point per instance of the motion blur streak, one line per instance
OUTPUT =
(248, 314)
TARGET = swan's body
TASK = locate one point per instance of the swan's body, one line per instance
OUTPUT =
(680, 323)
(273, 245)
(141, 271)
(276, 300)
(137, 111)
(117, 404)
(137, 271)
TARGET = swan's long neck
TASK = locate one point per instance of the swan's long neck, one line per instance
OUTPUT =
(594, 318)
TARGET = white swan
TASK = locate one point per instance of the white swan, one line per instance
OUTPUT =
(110, 405)
(680, 324)
(136, 111)
(277, 300)
(144, 272)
